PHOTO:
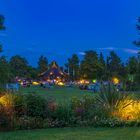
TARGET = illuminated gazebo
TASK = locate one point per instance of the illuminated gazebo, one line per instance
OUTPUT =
(54, 73)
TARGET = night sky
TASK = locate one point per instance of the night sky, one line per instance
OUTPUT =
(59, 28)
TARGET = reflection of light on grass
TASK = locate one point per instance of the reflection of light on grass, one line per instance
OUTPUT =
(131, 110)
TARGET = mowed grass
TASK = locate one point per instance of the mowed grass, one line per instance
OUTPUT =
(59, 93)
(74, 134)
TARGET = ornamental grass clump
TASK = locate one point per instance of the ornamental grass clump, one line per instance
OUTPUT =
(112, 100)
(129, 113)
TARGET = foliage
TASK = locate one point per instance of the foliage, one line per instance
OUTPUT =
(2, 27)
(132, 65)
(5, 72)
(131, 111)
(1, 48)
(86, 102)
(26, 122)
(133, 70)
(108, 109)
(36, 105)
(102, 69)
(19, 105)
(73, 67)
(138, 28)
(4, 119)
(90, 65)
(110, 99)
(19, 66)
(113, 65)
(42, 64)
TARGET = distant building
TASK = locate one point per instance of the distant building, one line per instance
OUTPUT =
(54, 73)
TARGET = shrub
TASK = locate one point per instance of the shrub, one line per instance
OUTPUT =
(36, 105)
(109, 109)
(82, 105)
(56, 123)
(7, 102)
(4, 118)
(58, 114)
(63, 112)
(19, 105)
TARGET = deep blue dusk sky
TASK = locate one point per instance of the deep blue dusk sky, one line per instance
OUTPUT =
(59, 28)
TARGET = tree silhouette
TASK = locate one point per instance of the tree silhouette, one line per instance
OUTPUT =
(138, 28)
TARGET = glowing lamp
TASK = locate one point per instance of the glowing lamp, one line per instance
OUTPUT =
(61, 84)
(82, 81)
(21, 83)
(116, 80)
(86, 82)
(94, 80)
(35, 83)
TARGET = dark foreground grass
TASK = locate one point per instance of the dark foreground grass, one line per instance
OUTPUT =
(74, 134)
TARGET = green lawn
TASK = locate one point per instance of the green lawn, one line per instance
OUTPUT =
(60, 93)
(74, 134)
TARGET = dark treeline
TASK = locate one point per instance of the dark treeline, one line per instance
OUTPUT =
(92, 66)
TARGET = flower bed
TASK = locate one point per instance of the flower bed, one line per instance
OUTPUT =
(32, 111)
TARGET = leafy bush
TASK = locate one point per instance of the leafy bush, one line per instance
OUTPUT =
(19, 105)
(36, 105)
(82, 105)
(7, 102)
(4, 118)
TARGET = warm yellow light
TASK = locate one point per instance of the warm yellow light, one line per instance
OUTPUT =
(19, 80)
(84, 81)
(35, 83)
(130, 112)
(6, 100)
(116, 80)
(21, 83)
(60, 84)
(81, 81)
